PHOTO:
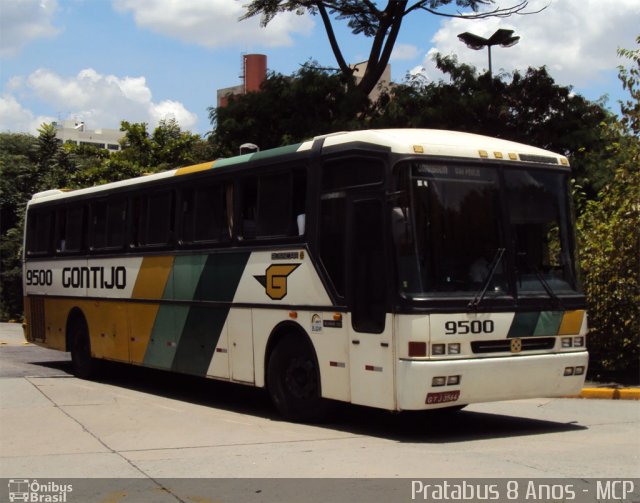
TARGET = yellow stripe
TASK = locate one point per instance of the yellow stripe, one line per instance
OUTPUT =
(195, 168)
(571, 323)
(150, 284)
(152, 278)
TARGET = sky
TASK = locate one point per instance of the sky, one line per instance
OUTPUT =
(104, 61)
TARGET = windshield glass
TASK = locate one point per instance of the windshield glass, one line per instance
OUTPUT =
(538, 217)
(453, 224)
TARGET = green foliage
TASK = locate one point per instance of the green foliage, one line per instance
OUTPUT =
(32, 164)
(286, 110)
(529, 108)
(609, 236)
(166, 148)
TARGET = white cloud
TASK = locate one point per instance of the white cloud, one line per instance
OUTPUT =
(576, 39)
(404, 52)
(22, 21)
(213, 23)
(99, 100)
(14, 117)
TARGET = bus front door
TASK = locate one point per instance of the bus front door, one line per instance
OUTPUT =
(370, 331)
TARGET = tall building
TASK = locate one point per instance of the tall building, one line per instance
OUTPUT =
(75, 131)
(254, 71)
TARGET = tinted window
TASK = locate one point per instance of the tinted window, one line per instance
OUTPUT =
(108, 224)
(273, 205)
(154, 219)
(333, 237)
(39, 232)
(75, 229)
(352, 172)
(204, 214)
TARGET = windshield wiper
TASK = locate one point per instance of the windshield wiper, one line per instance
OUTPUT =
(547, 288)
(479, 296)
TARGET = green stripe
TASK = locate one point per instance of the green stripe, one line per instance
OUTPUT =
(221, 275)
(266, 154)
(218, 281)
(187, 271)
(199, 339)
(548, 323)
(165, 336)
(184, 337)
(523, 325)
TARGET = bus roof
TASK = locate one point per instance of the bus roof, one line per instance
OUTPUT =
(428, 142)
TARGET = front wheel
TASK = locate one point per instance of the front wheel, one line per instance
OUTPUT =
(293, 381)
(84, 366)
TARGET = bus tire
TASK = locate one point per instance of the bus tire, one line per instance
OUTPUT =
(293, 381)
(84, 366)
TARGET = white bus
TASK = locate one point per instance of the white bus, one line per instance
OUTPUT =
(399, 269)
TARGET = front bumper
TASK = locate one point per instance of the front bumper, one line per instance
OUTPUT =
(489, 379)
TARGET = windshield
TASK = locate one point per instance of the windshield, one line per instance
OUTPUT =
(461, 229)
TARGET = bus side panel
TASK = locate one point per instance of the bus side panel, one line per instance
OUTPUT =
(108, 329)
(141, 318)
(329, 344)
(57, 314)
(330, 338)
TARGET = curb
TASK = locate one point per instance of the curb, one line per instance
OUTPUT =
(610, 393)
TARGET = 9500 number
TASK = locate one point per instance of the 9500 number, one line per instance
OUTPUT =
(469, 327)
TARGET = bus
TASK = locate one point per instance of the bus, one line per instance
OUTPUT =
(403, 269)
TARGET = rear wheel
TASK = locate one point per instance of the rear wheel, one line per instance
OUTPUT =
(84, 366)
(293, 381)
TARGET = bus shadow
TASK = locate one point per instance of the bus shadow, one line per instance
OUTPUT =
(438, 427)
(407, 427)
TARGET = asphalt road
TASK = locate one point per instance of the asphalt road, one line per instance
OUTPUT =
(150, 426)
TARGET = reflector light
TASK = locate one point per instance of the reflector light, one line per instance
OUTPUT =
(293, 315)
(578, 342)
(566, 342)
(568, 371)
(439, 381)
(453, 380)
(498, 155)
(417, 348)
(483, 153)
(453, 348)
(579, 371)
(437, 349)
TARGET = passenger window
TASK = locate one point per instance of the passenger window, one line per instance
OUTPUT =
(273, 205)
(204, 214)
(108, 224)
(39, 233)
(73, 238)
(154, 219)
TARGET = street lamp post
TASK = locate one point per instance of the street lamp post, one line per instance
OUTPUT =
(501, 37)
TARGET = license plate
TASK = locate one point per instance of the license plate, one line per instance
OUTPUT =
(442, 397)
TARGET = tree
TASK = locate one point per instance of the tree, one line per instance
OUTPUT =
(382, 26)
(19, 174)
(526, 107)
(31, 164)
(286, 110)
(608, 232)
(166, 148)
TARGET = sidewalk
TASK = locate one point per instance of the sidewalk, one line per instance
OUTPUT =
(11, 335)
